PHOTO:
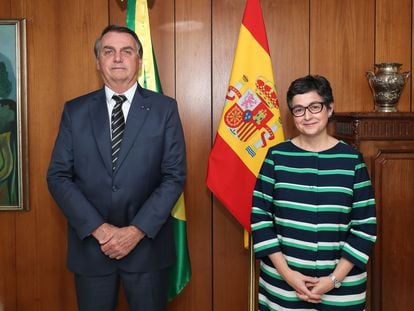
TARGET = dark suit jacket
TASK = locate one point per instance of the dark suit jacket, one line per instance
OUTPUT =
(142, 190)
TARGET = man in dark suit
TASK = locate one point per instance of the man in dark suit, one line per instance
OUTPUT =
(117, 200)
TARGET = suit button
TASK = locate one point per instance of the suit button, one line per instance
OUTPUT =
(115, 188)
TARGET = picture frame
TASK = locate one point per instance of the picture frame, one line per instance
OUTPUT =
(14, 178)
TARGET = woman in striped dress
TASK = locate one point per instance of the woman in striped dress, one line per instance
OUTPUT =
(313, 215)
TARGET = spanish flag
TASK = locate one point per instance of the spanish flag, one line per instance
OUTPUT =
(138, 20)
(250, 122)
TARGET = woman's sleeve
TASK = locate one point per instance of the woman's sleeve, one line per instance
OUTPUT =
(264, 235)
(363, 226)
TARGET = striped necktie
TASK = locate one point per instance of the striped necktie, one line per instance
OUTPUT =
(117, 127)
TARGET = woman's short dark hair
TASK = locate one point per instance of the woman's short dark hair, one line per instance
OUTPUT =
(308, 84)
(120, 29)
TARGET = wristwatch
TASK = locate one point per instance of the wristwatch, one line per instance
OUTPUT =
(336, 283)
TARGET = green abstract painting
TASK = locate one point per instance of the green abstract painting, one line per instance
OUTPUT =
(12, 105)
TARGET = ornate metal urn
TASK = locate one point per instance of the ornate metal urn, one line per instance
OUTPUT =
(387, 84)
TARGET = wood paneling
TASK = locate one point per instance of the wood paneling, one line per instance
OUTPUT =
(5, 9)
(193, 93)
(230, 259)
(393, 39)
(342, 49)
(7, 261)
(287, 25)
(117, 12)
(387, 142)
(393, 180)
(61, 65)
(163, 41)
(194, 42)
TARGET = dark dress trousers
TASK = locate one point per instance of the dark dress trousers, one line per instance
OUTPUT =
(142, 190)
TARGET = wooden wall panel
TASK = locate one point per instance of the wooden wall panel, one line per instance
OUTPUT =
(117, 12)
(230, 259)
(287, 25)
(7, 261)
(61, 66)
(163, 40)
(193, 93)
(60, 35)
(393, 172)
(342, 49)
(393, 39)
(194, 42)
(5, 9)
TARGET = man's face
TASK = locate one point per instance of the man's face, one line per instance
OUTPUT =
(118, 60)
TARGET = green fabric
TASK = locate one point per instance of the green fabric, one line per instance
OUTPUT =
(180, 273)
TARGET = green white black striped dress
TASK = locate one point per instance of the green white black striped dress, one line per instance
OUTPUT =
(314, 207)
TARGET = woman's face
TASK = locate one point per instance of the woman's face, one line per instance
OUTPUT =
(311, 124)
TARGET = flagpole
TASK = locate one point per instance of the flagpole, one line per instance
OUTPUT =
(248, 244)
(252, 278)
(241, 144)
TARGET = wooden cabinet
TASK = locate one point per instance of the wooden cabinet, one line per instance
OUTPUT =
(387, 142)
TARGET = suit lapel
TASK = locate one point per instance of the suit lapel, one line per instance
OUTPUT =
(98, 113)
(138, 112)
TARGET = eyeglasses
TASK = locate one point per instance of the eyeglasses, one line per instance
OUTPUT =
(299, 111)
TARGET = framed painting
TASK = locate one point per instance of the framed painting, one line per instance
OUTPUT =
(14, 179)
